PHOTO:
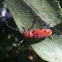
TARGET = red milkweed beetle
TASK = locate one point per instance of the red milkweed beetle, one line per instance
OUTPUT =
(36, 33)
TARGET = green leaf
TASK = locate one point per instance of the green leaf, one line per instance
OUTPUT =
(47, 11)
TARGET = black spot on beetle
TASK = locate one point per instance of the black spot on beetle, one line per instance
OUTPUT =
(44, 31)
(36, 34)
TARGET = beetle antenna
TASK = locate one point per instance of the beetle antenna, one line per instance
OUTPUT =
(13, 28)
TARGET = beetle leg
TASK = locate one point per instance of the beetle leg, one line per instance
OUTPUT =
(34, 25)
(48, 26)
(20, 42)
(50, 37)
(25, 29)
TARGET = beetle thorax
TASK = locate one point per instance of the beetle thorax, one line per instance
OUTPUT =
(28, 34)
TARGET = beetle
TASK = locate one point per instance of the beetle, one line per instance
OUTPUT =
(36, 33)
